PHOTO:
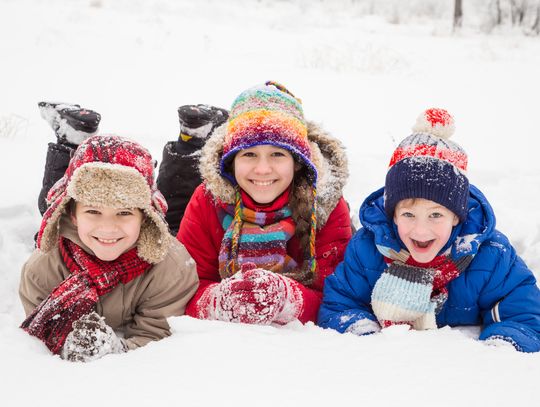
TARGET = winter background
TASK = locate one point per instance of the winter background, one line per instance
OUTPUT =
(364, 70)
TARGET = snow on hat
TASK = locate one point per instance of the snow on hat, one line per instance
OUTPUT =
(428, 165)
(267, 114)
(110, 171)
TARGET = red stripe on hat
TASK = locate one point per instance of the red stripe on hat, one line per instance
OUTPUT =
(457, 158)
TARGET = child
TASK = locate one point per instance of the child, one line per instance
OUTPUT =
(269, 223)
(105, 258)
(429, 254)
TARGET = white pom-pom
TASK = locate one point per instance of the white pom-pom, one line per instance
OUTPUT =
(436, 122)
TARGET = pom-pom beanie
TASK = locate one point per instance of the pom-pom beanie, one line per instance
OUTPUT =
(428, 165)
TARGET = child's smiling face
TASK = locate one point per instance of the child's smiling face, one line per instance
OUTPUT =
(424, 227)
(108, 232)
(264, 172)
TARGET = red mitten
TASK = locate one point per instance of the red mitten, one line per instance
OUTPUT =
(253, 296)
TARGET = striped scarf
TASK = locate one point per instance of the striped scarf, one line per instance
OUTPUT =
(78, 294)
(412, 293)
(255, 236)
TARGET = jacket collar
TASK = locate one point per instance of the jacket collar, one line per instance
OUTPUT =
(465, 239)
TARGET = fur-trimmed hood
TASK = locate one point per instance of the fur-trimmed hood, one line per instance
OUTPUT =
(327, 154)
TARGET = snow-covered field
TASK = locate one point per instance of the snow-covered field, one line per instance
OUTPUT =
(365, 80)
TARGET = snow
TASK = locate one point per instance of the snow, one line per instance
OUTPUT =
(366, 79)
(465, 243)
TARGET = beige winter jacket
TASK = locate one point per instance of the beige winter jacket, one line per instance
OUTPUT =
(138, 308)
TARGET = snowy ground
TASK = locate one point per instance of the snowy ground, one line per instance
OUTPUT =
(365, 80)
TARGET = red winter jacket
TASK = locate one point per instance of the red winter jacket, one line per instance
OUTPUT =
(201, 233)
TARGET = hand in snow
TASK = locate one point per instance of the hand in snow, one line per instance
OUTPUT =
(257, 296)
(90, 339)
(363, 326)
(499, 341)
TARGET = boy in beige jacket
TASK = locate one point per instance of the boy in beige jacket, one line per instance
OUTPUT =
(105, 259)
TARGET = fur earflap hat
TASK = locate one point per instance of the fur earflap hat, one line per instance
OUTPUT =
(428, 165)
(114, 172)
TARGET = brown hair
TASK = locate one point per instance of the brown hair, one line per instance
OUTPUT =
(301, 203)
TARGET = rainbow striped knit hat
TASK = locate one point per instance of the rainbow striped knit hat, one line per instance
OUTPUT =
(428, 165)
(267, 114)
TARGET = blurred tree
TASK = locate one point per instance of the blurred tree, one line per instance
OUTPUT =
(520, 13)
(496, 4)
(458, 14)
(536, 25)
(517, 10)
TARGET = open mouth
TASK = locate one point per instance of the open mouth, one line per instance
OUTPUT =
(422, 245)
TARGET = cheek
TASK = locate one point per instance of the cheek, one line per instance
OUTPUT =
(288, 171)
(403, 233)
(134, 229)
(238, 170)
(402, 227)
(82, 229)
(444, 231)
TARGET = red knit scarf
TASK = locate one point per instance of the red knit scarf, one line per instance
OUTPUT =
(78, 294)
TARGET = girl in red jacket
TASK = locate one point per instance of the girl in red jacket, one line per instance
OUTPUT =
(269, 223)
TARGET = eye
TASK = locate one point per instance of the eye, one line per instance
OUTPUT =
(92, 212)
(278, 154)
(407, 215)
(436, 215)
(125, 213)
(247, 154)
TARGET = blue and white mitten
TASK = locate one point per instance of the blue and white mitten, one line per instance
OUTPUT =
(402, 295)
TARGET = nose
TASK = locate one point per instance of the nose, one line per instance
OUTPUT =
(263, 166)
(108, 225)
(421, 228)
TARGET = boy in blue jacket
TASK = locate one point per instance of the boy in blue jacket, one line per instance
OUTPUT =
(429, 255)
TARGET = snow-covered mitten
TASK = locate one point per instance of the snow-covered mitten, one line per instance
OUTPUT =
(363, 326)
(197, 122)
(72, 123)
(91, 339)
(254, 296)
(500, 341)
(402, 295)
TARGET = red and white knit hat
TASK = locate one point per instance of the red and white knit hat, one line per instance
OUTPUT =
(428, 165)
(114, 172)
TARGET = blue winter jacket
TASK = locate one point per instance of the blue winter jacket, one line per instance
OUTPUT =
(497, 290)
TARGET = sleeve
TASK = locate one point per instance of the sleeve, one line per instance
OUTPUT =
(201, 234)
(166, 294)
(510, 303)
(347, 292)
(331, 242)
(39, 277)
(178, 177)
